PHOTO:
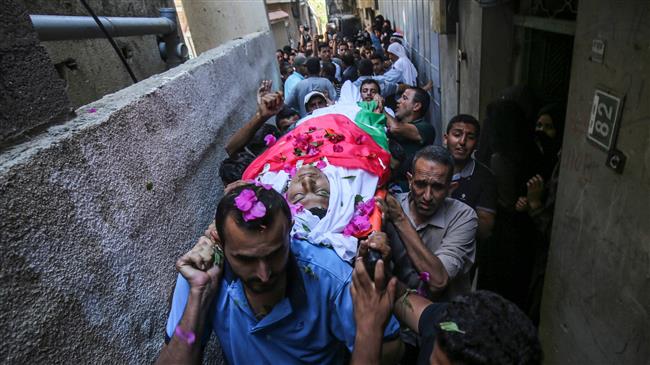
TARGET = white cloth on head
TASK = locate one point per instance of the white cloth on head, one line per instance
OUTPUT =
(345, 185)
(403, 64)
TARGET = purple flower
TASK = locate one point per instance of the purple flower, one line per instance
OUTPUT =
(356, 225)
(269, 139)
(248, 204)
(91, 110)
(295, 208)
(263, 185)
(425, 276)
(257, 211)
(366, 208)
(337, 148)
(360, 139)
(321, 164)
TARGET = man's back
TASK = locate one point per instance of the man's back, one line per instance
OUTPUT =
(308, 85)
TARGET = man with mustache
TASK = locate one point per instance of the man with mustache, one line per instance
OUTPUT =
(431, 235)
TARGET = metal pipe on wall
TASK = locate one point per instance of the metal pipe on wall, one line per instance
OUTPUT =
(64, 27)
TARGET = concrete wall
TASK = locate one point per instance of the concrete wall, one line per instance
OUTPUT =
(96, 211)
(596, 299)
(32, 94)
(293, 23)
(215, 22)
(98, 70)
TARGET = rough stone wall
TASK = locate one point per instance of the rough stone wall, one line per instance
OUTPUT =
(96, 211)
(97, 69)
(596, 303)
(31, 92)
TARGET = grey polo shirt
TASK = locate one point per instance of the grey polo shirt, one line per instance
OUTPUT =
(449, 234)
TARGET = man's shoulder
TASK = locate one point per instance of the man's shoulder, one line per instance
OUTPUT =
(321, 261)
(480, 169)
(456, 209)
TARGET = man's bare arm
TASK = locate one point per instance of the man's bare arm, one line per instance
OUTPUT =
(196, 267)
(268, 104)
(401, 129)
(421, 257)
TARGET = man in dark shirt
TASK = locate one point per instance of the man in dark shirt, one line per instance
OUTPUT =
(410, 129)
(476, 186)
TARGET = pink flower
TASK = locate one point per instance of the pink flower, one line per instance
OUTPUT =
(295, 208)
(366, 209)
(269, 139)
(291, 170)
(257, 211)
(321, 164)
(425, 276)
(337, 148)
(91, 110)
(357, 224)
(263, 185)
(248, 204)
(360, 139)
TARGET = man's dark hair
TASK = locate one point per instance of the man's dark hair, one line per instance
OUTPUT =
(233, 167)
(276, 208)
(494, 331)
(313, 66)
(371, 81)
(348, 59)
(436, 154)
(376, 56)
(323, 45)
(421, 97)
(464, 118)
(286, 112)
(286, 49)
(329, 72)
(365, 68)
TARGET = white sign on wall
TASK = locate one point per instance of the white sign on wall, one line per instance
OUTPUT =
(603, 120)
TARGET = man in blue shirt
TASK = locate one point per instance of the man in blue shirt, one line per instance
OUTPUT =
(274, 301)
(313, 82)
(298, 74)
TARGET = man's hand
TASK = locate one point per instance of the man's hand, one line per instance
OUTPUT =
(377, 241)
(380, 103)
(522, 204)
(265, 88)
(270, 105)
(197, 267)
(212, 233)
(373, 301)
(535, 191)
(390, 208)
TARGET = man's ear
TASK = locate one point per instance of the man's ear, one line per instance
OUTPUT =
(409, 177)
(417, 107)
(444, 140)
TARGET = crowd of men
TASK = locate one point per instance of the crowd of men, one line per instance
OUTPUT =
(456, 218)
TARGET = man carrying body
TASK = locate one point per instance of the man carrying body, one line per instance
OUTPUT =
(409, 128)
(311, 83)
(430, 232)
(315, 100)
(266, 297)
(476, 185)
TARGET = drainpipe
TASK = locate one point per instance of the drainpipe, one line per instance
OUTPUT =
(64, 27)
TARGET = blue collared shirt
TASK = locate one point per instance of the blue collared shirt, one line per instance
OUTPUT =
(312, 324)
(291, 83)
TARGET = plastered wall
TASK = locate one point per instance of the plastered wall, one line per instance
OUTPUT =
(95, 212)
(596, 303)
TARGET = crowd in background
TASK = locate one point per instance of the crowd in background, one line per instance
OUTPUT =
(466, 225)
